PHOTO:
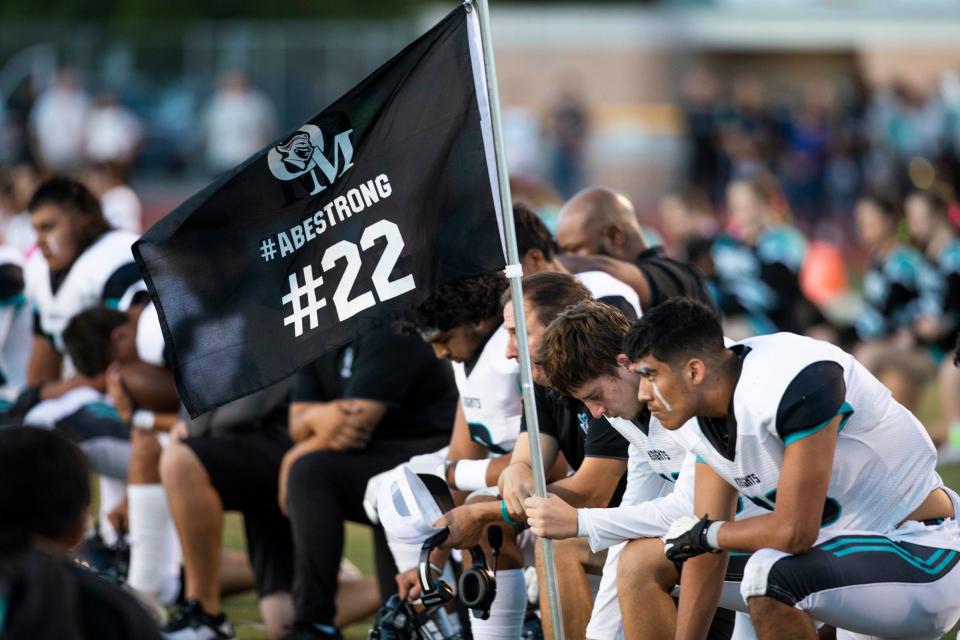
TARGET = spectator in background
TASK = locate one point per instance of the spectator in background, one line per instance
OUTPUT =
(18, 186)
(113, 132)
(758, 263)
(568, 134)
(896, 288)
(750, 136)
(58, 123)
(238, 122)
(927, 215)
(686, 216)
(699, 101)
(807, 138)
(120, 204)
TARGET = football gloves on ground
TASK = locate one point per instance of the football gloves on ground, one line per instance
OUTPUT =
(687, 538)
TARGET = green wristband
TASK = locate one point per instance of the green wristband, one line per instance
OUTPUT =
(506, 516)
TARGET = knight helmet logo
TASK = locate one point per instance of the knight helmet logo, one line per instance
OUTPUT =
(302, 153)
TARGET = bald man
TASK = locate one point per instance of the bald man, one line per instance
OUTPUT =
(599, 230)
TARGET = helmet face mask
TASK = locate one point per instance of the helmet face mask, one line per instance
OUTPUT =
(398, 620)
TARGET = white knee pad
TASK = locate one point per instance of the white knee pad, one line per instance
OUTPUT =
(757, 572)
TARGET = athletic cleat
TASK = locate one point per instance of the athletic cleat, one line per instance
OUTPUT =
(191, 622)
(532, 627)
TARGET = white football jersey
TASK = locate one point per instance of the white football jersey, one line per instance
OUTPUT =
(654, 444)
(884, 465)
(16, 327)
(603, 285)
(490, 395)
(104, 274)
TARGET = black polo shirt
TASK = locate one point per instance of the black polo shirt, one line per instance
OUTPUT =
(397, 370)
(669, 278)
(578, 434)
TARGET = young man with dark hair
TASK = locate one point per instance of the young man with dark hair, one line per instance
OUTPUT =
(42, 517)
(860, 531)
(81, 263)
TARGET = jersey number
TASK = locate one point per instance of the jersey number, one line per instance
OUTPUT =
(831, 508)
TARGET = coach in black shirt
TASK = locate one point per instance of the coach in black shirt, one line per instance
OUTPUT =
(599, 230)
(356, 412)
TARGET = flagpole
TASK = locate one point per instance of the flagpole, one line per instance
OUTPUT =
(516, 291)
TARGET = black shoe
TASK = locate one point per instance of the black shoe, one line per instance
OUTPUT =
(110, 563)
(311, 631)
(191, 622)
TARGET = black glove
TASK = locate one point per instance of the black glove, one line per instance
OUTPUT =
(687, 538)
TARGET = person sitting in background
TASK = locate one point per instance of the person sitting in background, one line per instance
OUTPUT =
(927, 214)
(897, 285)
(357, 411)
(82, 263)
(43, 510)
(758, 263)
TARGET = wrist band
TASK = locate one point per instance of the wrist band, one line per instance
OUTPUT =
(712, 532)
(582, 528)
(506, 516)
(143, 420)
(471, 475)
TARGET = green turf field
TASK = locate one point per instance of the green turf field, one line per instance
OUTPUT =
(242, 609)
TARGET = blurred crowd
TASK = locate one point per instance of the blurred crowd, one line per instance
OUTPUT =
(827, 141)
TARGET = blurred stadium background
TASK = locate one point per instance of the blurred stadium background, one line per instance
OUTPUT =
(833, 95)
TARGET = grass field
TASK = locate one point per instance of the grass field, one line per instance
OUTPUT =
(242, 609)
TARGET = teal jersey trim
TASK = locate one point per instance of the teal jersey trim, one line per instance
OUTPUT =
(699, 459)
(112, 303)
(882, 545)
(14, 301)
(846, 410)
(103, 410)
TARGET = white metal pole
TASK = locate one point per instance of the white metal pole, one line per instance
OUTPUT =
(516, 292)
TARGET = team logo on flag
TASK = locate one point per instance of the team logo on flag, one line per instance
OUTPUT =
(302, 153)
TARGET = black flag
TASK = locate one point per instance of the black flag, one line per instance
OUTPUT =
(337, 227)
